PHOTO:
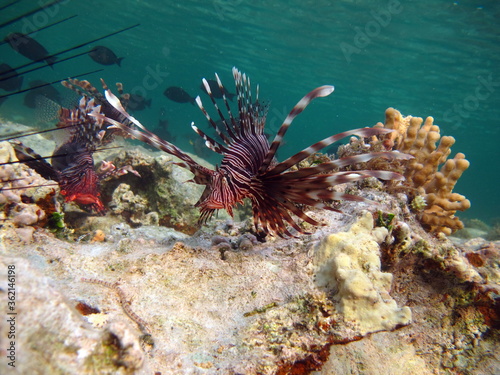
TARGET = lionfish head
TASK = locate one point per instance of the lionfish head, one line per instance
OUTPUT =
(219, 195)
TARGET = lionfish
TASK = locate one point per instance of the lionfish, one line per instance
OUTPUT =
(249, 168)
(72, 163)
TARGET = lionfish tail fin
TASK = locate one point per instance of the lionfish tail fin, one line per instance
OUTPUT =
(296, 110)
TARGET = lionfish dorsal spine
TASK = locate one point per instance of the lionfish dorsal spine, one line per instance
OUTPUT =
(296, 110)
(210, 143)
(198, 101)
(252, 114)
(230, 129)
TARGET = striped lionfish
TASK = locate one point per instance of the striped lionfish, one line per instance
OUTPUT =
(72, 163)
(249, 168)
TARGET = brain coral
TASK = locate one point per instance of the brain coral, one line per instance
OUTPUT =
(430, 173)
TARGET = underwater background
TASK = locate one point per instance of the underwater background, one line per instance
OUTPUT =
(424, 58)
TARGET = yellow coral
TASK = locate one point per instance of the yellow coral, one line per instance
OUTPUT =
(423, 173)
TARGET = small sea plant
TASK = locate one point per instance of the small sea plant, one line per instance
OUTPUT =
(249, 168)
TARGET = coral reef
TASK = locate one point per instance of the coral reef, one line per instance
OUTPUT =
(133, 207)
(494, 232)
(285, 306)
(434, 184)
(224, 301)
(159, 196)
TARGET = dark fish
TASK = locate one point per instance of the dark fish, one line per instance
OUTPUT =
(104, 56)
(29, 47)
(199, 147)
(163, 130)
(217, 92)
(163, 123)
(10, 80)
(137, 102)
(47, 91)
(179, 95)
(249, 169)
(75, 47)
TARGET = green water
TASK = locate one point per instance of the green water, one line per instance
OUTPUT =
(425, 58)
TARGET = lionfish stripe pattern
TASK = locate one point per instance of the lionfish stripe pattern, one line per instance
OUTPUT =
(299, 107)
(249, 169)
(298, 157)
(144, 135)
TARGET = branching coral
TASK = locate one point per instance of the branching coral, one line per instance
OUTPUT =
(423, 173)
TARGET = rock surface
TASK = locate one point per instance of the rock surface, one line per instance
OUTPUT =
(363, 294)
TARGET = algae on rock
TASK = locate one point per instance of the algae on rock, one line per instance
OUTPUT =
(163, 188)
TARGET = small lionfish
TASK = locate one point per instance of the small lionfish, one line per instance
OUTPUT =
(72, 162)
(249, 169)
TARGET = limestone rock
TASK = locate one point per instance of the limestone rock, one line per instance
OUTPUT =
(348, 264)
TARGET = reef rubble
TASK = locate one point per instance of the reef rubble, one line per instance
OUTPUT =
(359, 293)
(144, 290)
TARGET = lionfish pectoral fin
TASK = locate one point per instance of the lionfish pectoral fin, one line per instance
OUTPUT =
(296, 110)
(202, 174)
(363, 132)
(115, 102)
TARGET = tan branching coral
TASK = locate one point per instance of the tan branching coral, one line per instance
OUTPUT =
(434, 184)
